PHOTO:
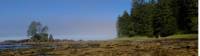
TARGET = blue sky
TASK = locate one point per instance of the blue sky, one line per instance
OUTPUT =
(66, 19)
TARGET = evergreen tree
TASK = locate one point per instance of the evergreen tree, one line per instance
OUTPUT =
(44, 29)
(188, 15)
(51, 38)
(141, 17)
(159, 18)
(123, 25)
(168, 21)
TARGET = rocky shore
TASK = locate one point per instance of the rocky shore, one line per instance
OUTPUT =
(163, 47)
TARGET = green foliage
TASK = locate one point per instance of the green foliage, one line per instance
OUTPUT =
(34, 28)
(124, 25)
(40, 37)
(168, 21)
(194, 24)
(37, 32)
(36, 38)
(44, 30)
(188, 14)
(159, 18)
(51, 38)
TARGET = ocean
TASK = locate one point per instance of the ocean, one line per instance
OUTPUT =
(60, 36)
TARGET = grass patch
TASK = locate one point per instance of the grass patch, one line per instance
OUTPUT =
(143, 38)
(184, 36)
(136, 38)
(178, 36)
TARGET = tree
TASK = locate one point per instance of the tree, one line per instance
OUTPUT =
(37, 32)
(123, 25)
(36, 38)
(149, 12)
(159, 18)
(45, 29)
(188, 15)
(141, 15)
(44, 33)
(168, 23)
(51, 38)
(34, 28)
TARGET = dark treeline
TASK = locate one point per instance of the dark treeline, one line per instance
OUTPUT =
(157, 18)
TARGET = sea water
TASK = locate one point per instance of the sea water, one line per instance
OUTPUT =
(13, 47)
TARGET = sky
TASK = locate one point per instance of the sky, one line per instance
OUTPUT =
(66, 19)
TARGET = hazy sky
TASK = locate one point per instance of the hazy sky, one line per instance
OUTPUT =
(66, 19)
